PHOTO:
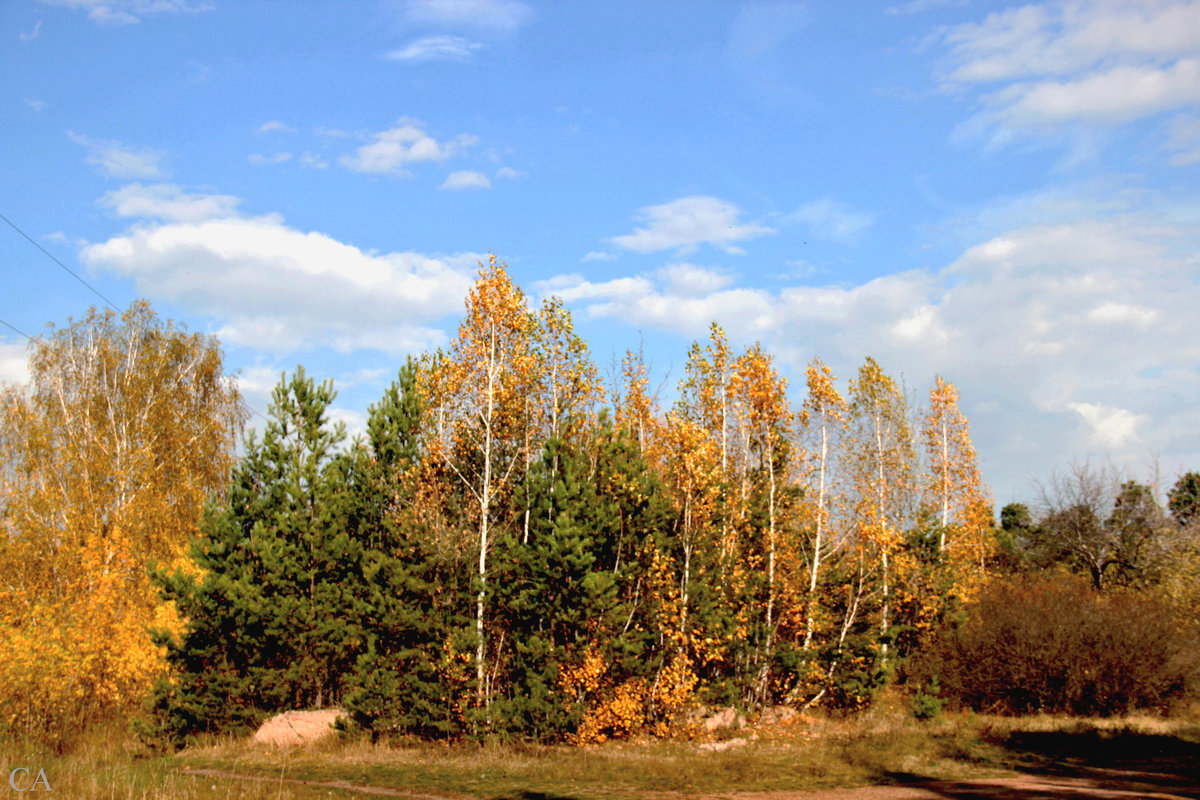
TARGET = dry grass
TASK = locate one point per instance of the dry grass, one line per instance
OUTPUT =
(882, 745)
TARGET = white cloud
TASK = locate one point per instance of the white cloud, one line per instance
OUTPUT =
(598, 255)
(127, 12)
(1076, 334)
(37, 105)
(435, 48)
(466, 179)
(406, 143)
(274, 126)
(829, 219)
(686, 223)
(279, 289)
(167, 202)
(1076, 63)
(498, 15)
(1114, 96)
(117, 160)
(508, 173)
(259, 160)
(14, 363)
(690, 280)
(33, 34)
(1114, 313)
(1110, 427)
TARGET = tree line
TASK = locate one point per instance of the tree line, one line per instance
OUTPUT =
(512, 549)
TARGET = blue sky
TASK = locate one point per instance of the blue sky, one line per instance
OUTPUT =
(1006, 195)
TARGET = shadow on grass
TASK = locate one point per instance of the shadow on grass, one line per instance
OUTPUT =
(1084, 764)
(532, 796)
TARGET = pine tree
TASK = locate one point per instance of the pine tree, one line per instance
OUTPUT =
(274, 615)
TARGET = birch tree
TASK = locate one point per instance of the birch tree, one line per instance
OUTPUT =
(825, 418)
(953, 488)
(127, 426)
(881, 466)
(477, 391)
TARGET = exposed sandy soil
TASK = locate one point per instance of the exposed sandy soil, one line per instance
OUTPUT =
(297, 727)
(1118, 785)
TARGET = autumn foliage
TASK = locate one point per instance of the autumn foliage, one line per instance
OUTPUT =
(126, 429)
(512, 549)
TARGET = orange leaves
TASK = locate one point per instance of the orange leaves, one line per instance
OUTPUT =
(954, 491)
(127, 428)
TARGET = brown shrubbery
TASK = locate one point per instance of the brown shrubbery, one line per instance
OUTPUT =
(1053, 644)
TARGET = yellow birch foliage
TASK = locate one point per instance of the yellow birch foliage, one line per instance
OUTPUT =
(571, 383)
(880, 459)
(824, 417)
(954, 492)
(127, 427)
(477, 395)
(762, 406)
(636, 410)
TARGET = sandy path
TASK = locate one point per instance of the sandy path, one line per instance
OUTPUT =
(1120, 786)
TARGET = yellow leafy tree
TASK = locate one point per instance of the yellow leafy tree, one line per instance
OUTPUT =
(636, 410)
(767, 419)
(954, 491)
(127, 426)
(881, 465)
(476, 392)
(693, 481)
(825, 420)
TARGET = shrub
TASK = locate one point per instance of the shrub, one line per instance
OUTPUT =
(1053, 644)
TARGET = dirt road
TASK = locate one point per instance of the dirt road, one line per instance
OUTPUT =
(1107, 785)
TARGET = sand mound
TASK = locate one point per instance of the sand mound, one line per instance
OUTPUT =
(298, 727)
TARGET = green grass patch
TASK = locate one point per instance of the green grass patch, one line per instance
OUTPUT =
(879, 746)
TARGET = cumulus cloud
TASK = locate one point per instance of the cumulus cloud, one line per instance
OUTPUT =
(274, 287)
(32, 34)
(435, 48)
(1110, 427)
(689, 279)
(1066, 63)
(1068, 336)
(116, 160)
(128, 12)
(466, 179)
(167, 202)
(684, 224)
(392, 150)
(14, 363)
(498, 15)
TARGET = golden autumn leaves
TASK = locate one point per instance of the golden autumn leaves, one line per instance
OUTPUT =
(126, 429)
(795, 526)
(788, 532)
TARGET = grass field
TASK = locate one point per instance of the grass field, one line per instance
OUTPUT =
(878, 746)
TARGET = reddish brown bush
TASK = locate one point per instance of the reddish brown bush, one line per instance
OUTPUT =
(1053, 644)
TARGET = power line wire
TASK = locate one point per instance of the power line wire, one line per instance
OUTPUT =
(18, 330)
(61, 264)
(50, 255)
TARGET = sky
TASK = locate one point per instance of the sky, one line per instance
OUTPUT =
(1004, 195)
